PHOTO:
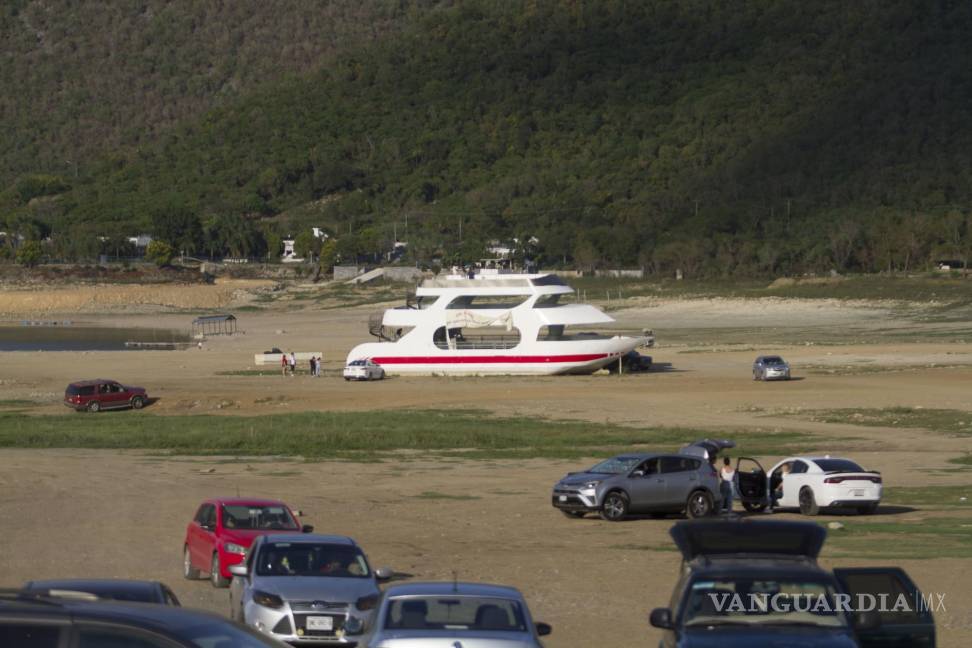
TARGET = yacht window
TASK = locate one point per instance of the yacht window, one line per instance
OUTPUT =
(498, 302)
(482, 337)
(547, 301)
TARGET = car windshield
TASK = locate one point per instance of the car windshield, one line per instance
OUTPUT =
(455, 613)
(616, 465)
(773, 360)
(357, 363)
(311, 559)
(221, 634)
(752, 601)
(837, 465)
(274, 516)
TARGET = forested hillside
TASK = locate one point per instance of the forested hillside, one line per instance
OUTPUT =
(748, 137)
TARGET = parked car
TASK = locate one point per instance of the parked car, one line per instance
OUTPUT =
(809, 483)
(37, 620)
(645, 483)
(757, 583)
(305, 588)
(111, 589)
(452, 614)
(366, 369)
(631, 362)
(771, 368)
(223, 529)
(99, 394)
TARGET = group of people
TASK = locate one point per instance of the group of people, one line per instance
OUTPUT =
(288, 364)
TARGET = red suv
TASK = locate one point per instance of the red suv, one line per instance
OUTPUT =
(223, 529)
(96, 395)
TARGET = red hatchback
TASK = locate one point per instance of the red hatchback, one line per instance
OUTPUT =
(223, 529)
(99, 394)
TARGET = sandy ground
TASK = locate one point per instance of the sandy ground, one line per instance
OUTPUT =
(87, 513)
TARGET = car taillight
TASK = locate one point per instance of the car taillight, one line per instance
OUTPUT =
(876, 480)
(712, 471)
(834, 480)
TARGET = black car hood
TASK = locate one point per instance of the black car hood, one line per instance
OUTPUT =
(782, 538)
(730, 636)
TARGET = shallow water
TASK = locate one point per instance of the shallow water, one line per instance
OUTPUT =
(81, 338)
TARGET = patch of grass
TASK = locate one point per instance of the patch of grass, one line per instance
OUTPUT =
(864, 369)
(18, 402)
(921, 539)
(938, 495)
(964, 460)
(434, 495)
(283, 473)
(946, 421)
(368, 436)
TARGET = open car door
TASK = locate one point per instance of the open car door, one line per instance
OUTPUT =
(751, 478)
(913, 627)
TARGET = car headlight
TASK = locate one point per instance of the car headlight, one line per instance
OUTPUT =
(591, 484)
(266, 599)
(232, 547)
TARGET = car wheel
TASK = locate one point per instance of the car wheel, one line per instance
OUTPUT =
(615, 507)
(346, 379)
(867, 509)
(808, 505)
(188, 571)
(94, 406)
(138, 402)
(215, 577)
(754, 507)
(699, 505)
(573, 514)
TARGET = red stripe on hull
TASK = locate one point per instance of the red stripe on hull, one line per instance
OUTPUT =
(584, 357)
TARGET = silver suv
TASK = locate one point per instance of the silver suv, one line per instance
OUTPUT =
(304, 588)
(652, 483)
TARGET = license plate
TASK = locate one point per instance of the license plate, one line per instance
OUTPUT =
(858, 493)
(563, 498)
(320, 623)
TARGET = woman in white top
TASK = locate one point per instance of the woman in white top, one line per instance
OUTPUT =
(727, 485)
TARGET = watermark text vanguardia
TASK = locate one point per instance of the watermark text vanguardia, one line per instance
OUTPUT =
(823, 604)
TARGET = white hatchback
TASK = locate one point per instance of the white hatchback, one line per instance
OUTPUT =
(366, 369)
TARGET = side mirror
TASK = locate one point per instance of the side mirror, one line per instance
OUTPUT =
(384, 573)
(638, 473)
(307, 528)
(543, 629)
(238, 569)
(868, 620)
(353, 626)
(661, 618)
(299, 513)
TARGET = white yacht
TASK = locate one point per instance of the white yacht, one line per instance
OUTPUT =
(513, 324)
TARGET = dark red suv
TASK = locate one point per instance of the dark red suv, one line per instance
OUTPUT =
(95, 395)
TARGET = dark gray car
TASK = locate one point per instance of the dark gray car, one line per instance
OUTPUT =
(653, 483)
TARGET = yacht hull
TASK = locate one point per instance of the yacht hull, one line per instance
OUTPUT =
(543, 359)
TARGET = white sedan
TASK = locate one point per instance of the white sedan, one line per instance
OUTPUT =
(811, 483)
(366, 369)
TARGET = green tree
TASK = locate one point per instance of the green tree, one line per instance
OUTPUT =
(328, 255)
(160, 253)
(29, 254)
(306, 245)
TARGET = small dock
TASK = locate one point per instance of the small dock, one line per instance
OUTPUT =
(158, 346)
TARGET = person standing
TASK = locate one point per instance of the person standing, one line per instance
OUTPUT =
(727, 484)
(318, 365)
(293, 364)
(313, 366)
(283, 364)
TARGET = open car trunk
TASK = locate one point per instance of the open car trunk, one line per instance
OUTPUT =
(707, 449)
(777, 538)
